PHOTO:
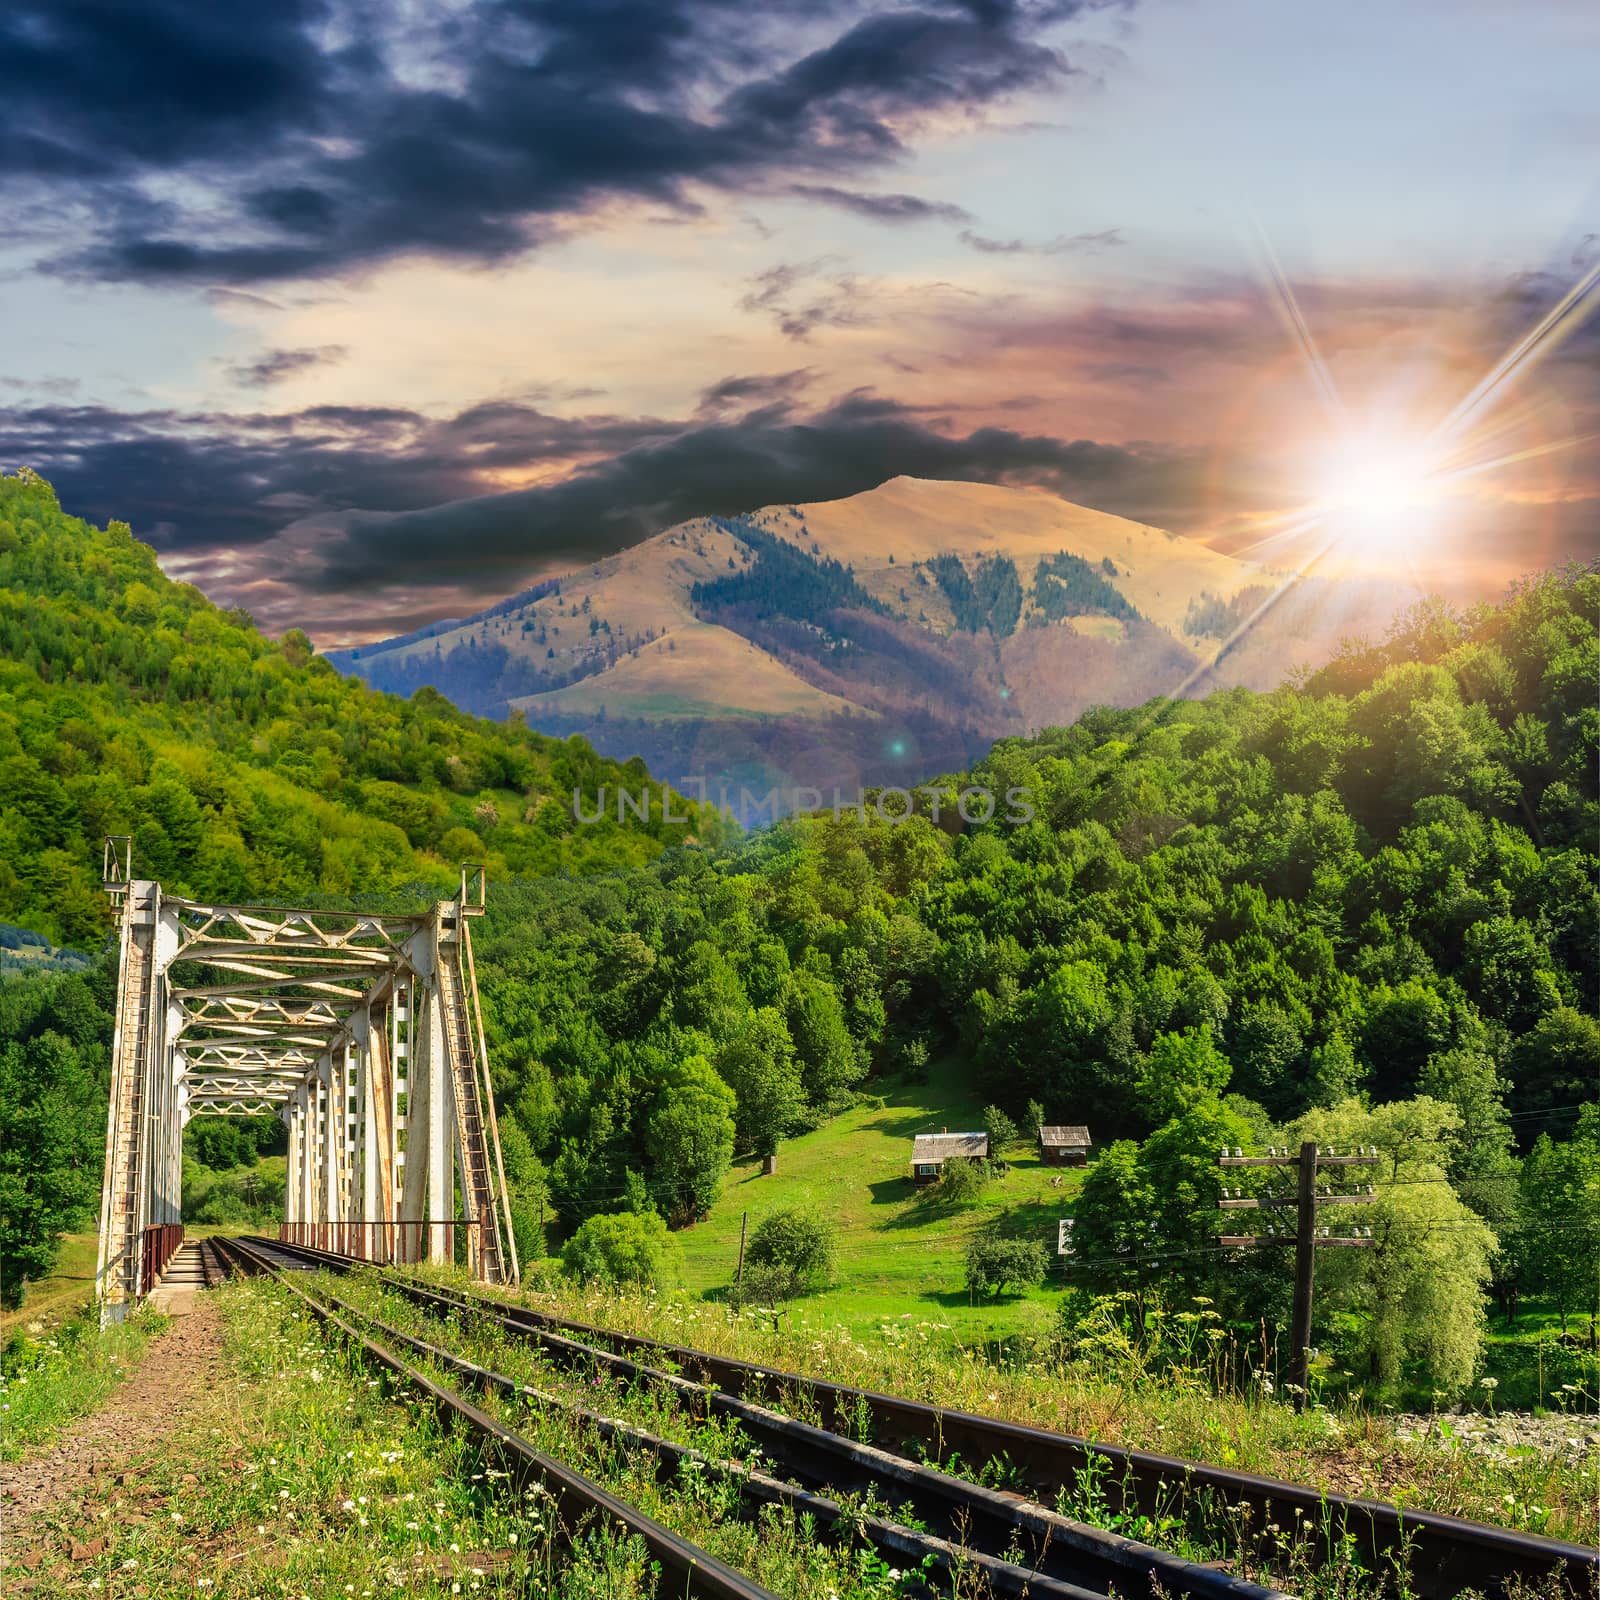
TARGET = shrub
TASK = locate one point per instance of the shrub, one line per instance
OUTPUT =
(765, 1284)
(960, 1184)
(995, 1264)
(622, 1247)
(798, 1242)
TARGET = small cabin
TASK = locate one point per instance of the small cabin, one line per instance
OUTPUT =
(1062, 1146)
(930, 1151)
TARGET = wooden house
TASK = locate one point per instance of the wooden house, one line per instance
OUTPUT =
(1062, 1146)
(930, 1151)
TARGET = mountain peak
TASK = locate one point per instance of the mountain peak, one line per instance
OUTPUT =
(885, 636)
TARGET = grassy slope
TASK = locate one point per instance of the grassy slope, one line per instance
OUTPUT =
(69, 1287)
(896, 1258)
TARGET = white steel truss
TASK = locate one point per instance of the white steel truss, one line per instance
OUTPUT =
(363, 1032)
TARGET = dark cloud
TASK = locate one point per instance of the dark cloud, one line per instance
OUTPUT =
(721, 468)
(766, 390)
(200, 481)
(882, 207)
(1062, 245)
(276, 365)
(236, 144)
(339, 498)
(801, 296)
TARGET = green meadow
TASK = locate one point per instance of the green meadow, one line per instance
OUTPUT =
(899, 1257)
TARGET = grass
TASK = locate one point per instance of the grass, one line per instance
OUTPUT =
(53, 1372)
(301, 1474)
(664, 1414)
(63, 1292)
(1120, 1392)
(898, 1259)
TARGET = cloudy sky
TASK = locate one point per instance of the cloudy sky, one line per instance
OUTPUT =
(367, 313)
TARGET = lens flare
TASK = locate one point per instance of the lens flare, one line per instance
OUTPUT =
(1380, 493)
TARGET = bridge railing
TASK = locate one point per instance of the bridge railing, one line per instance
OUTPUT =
(157, 1246)
(382, 1243)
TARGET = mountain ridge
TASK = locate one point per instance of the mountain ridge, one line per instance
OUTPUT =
(895, 633)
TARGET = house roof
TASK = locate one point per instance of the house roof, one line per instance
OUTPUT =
(941, 1146)
(1061, 1133)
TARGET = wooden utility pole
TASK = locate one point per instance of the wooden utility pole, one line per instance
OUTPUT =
(744, 1218)
(1305, 1268)
(1307, 1237)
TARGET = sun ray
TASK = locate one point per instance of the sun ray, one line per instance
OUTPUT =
(1557, 325)
(1287, 307)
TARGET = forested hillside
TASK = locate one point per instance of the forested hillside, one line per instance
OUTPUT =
(1226, 919)
(243, 768)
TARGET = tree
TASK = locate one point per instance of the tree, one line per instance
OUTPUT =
(996, 1263)
(1001, 1129)
(1560, 1242)
(1480, 1164)
(626, 1248)
(50, 1154)
(1415, 1297)
(1557, 1063)
(795, 1242)
(1112, 1220)
(1183, 1071)
(822, 1040)
(757, 1061)
(689, 1139)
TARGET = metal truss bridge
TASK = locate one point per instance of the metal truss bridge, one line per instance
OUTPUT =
(362, 1031)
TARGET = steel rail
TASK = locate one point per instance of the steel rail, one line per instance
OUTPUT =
(1443, 1555)
(915, 1548)
(967, 1514)
(688, 1569)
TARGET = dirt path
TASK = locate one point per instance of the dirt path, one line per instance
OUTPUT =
(177, 1371)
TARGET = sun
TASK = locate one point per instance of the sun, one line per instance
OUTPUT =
(1379, 493)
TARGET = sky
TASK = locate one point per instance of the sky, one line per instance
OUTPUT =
(370, 313)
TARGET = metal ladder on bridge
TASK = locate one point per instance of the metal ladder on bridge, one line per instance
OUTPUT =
(477, 1179)
(120, 1204)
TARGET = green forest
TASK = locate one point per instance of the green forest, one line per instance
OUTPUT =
(242, 767)
(1359, 909)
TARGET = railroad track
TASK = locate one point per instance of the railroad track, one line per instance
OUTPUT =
(1016, 1549)
(686, 1569)
(1443, 1556)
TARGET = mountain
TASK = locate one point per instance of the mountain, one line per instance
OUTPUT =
(242, 768)
(875, 639)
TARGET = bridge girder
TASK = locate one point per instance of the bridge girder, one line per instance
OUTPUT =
(362, 1031)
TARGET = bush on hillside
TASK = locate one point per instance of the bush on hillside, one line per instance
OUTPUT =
(766, 1285)
(630, 1249)
(996, 1264)
(960, 1184)
(795, 1241)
